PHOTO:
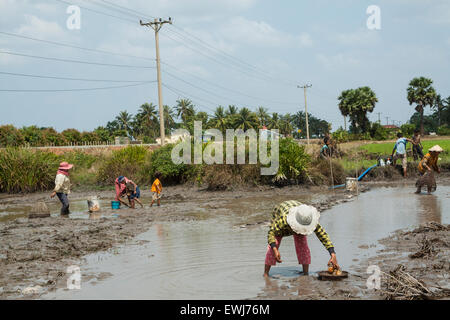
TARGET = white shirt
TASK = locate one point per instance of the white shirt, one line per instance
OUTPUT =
(62, 184)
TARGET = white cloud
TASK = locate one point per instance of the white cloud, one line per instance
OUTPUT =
(337, 61)
(40, 28)
(362, 37)
(260, 33)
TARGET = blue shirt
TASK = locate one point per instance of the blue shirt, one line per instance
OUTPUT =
(400, 145)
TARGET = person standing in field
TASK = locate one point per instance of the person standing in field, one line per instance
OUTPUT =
(426, 167)
(399, 151)
(156, 189)
(299, 220)
(120, 186)
(417, 145)
(62, 186)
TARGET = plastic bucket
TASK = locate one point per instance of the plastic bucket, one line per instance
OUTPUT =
(351, 184)
(115, 204)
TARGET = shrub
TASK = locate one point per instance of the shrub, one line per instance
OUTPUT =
(293, 160)
(10, 136)
(408, 129)
(129, 162)
(319, 172)
(378, 132)
(161, 160)
(443, 131)
(23, 170)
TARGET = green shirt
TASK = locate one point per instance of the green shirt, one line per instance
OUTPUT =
(280, 228)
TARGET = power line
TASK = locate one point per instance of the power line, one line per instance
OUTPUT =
(76, 61)
(76, 89)
(73, 46)
(67, 78)
(228, 89)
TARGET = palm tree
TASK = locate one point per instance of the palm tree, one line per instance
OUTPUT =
(274, 122)
(245, 119)
(169, 122)
(286, 127)
(439, 105)
(124, 120)
(263, 116)
(356, 103)
(147, 119)
(232, 110)
(185, 110)
(422, 93)
(219, 119)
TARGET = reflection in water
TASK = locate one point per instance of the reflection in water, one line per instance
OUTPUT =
(430, 206)
(211, 259)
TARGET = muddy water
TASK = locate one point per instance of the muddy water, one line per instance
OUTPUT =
(217, 258)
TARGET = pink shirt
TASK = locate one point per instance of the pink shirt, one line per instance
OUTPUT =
(120, 187)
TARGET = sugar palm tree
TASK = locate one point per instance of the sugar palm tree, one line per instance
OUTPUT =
(274, 122)
(421, 93)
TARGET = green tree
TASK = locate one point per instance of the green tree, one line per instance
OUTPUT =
(169, 122)
(10, 136)
(124, 120)
(32, 135)
(263, 116)
(219, 119)
(422, 94)
(355, 103)
(72, 135)
(245, 119)
(185, 110)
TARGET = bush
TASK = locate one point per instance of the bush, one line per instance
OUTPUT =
(378, 132)
(10, 137)
(129, 162)
(443, 131)
(23, 170)
(320, 172)
(408, 129)
(293, 160)
(161, 160)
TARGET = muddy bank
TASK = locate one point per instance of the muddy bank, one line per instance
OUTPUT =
(35, 253)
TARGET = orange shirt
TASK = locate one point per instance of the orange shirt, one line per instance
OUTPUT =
(430, 160)
(157, 186)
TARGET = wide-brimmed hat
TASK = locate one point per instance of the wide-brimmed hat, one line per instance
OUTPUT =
(436, 148)
(65, 166)
(303, 219)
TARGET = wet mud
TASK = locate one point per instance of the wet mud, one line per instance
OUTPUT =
(207, 245)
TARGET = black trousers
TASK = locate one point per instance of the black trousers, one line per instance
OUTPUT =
(64, 201)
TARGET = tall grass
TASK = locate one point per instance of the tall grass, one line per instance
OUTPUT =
(23, 170)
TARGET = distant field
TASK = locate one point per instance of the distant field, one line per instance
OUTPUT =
(386, 148)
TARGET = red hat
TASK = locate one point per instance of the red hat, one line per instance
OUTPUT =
(65, 166)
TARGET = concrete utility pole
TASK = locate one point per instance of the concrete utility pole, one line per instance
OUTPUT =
(156, 25)
(306, 109)
(387, 120)
(379, 120)
(345, 123)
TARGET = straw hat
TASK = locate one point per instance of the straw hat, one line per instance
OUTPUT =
(65, 166)
(436, 148)
(303, 219)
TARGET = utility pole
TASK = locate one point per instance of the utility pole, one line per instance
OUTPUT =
(306, 109)
(156, 25)
(345, 123)
(387, 120)
(379, 120)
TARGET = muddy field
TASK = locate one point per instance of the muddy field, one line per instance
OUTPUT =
(187, 247)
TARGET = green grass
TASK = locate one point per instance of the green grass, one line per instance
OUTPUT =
(386, 148)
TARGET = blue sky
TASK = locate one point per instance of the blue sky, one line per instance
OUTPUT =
(244, 52)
